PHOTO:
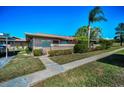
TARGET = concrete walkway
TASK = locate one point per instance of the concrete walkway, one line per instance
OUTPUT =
(51, 65)
(52, 69)
(4, 61)
(77, 63)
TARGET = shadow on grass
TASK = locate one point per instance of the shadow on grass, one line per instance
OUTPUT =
(115, 59)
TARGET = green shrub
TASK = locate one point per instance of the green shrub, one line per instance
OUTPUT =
(68, 51)
(105, 44)
(80, 48)
(38, 52)
(28, 50)
(60, 52)
(98, 47)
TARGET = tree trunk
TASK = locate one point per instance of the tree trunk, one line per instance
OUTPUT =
(88, 36)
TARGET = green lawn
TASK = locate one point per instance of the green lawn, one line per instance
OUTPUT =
(20, 65)
(108, 71)
(72, 57)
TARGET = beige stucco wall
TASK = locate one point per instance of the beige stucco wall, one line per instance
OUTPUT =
(46, 49)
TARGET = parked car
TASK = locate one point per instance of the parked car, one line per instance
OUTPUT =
(2, 48)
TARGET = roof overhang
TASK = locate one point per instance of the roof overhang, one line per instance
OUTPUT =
(49, 36)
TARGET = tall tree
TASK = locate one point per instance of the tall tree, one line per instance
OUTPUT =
(95, 34)
(95, 15)
(82, 31)
(120, 32)
(83, 34)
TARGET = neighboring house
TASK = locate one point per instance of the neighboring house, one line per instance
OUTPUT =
(49, 42)
(14, 43)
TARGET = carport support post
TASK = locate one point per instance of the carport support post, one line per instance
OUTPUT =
(6, 47)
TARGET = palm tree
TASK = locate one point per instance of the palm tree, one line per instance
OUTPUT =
(120, 32)
(95, 15)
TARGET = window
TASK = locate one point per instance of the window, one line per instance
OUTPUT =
(55, 41)
(42, 43)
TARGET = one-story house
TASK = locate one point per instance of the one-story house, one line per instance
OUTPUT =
(49, 41)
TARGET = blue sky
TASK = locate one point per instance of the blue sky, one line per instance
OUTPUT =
(60, 20)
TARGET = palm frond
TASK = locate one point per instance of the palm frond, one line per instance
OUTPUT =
(120, 27)
(98, 10)
(99, 18)
(95, 16)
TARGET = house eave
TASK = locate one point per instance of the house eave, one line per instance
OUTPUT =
(49, 36)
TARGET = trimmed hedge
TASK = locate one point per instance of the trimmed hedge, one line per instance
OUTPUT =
(28, 50)
(38, 52)
(105, 44)
(96, 48)
(80, 48)
(60, 52)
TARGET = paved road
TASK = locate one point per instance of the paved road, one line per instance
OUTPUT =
(52, 69)
(4, 61)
